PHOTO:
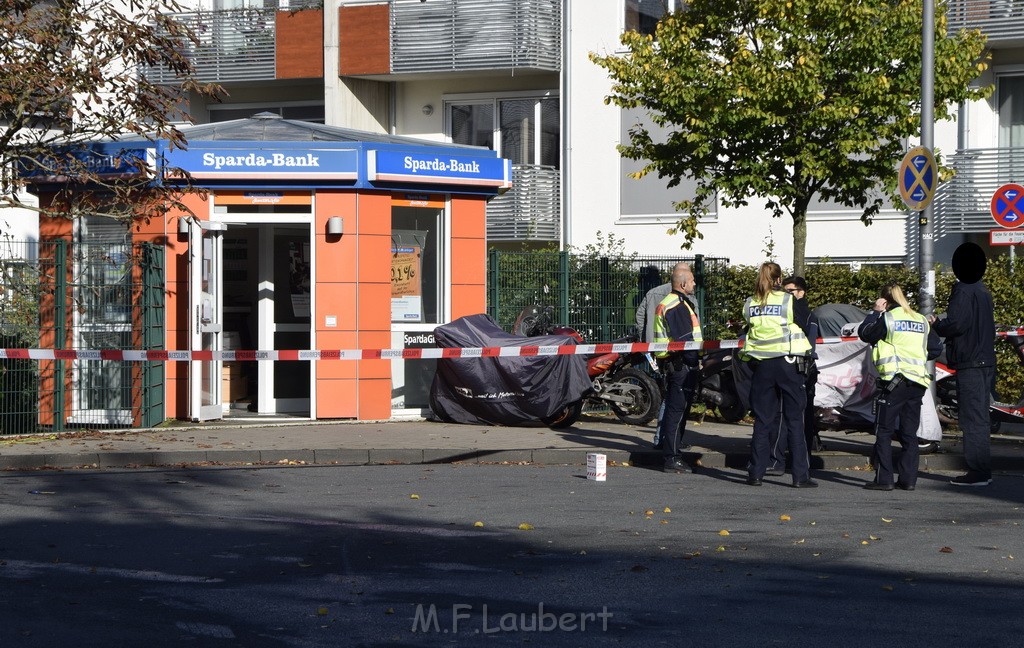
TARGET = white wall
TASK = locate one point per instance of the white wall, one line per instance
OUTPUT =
(741, 234)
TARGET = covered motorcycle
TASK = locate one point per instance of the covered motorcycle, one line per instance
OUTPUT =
(504, 390)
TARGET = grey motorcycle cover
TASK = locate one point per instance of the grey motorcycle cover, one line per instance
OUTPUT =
(503, 390)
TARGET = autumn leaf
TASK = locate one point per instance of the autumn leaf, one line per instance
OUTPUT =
(414, 496)
(321, 611)
(886, 520)
(525, 526)
(666, 510)
(785, 518)
(888, 588)
(478, 524)
(720, 548)
(723, 532)
(946, 550)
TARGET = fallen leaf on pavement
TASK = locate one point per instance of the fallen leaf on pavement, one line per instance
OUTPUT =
(666, 510)
(785, 518)
(723, 532)
(946, 550)
(414, 496)
(886, 520)
(525, 526)
(478, 524)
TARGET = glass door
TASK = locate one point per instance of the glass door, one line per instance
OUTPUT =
(205, 326)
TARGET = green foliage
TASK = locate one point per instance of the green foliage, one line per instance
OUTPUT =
(787, 101)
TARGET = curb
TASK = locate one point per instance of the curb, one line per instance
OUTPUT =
(425, 456)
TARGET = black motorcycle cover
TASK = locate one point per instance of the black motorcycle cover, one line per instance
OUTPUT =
(512, 390)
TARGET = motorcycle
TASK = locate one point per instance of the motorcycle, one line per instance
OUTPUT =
(999, 413)
(620, 380)
(716, 386)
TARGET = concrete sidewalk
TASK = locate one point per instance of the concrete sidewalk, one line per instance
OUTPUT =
(713, 444)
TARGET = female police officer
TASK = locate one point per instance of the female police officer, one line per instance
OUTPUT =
(779, 352)
(903, 344)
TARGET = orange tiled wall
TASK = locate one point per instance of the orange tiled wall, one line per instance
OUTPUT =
(469, 256)
(353, 286)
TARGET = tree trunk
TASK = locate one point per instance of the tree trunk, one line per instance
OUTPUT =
(799, 241)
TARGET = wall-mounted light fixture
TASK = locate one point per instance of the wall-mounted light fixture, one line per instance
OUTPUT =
(428, 110)
(334, 226)
(183, 225)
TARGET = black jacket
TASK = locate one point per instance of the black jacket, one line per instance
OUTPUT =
(969, 327)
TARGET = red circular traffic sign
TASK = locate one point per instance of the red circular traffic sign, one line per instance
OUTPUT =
(1008, 205)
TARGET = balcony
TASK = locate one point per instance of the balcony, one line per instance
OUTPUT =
(255, 44)
(530, 210)
(1001, 20)
(474, 35)
(963, 205)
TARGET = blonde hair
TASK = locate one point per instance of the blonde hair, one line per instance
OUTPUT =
(893, 293)
(768, 277)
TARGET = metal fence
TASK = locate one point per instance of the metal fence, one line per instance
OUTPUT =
(596, 295)
(64, 295)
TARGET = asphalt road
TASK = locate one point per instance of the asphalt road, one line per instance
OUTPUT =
(393, 556)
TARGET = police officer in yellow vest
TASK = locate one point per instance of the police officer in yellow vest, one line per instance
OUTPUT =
(675, 320)
(904, 342)
(779, 352)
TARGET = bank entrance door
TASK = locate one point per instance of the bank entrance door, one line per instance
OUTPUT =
(267, 306)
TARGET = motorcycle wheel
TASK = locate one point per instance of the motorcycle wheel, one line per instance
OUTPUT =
(646, 400)
(924, 446)
(734, 412)
(565, 418)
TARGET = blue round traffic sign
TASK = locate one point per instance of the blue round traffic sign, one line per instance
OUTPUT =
(1008, 205)
(918, 178)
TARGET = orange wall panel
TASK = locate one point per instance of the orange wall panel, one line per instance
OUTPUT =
(374, 309)
(337, 300)
(468, 300)
(469, 261)
(364, 39)
(337, 399)
(300, 44)
(469, 217)
(374, 399)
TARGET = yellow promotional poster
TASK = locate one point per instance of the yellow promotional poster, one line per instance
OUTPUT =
(405, 271)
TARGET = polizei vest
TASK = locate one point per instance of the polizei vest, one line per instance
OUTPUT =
(904, 350)
(771, 332)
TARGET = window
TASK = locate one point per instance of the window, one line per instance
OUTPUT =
(1011, 111)
(299, 112)
(643, 15)
(416, 265)
(648, 200)
(523, 129)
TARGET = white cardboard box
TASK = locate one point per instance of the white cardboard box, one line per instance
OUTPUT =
(597, 466)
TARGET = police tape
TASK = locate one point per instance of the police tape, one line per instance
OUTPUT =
(389, 354)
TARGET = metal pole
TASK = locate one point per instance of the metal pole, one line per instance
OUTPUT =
(926, 299)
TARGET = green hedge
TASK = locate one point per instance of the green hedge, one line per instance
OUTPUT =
(838, 284)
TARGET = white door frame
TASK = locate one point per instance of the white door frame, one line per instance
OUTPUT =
(205, 314)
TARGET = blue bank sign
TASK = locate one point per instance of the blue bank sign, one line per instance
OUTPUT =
(438, 168)
(279, 164)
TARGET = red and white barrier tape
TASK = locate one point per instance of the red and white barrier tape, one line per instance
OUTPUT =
(387, 354)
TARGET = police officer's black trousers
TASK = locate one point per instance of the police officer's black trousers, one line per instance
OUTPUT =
(776, 382)
(680, 385)
(899, 413)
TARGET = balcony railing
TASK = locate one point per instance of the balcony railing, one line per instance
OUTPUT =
(530, 210)
(964, 204)
(234, 45)
(456, 35)
(1001, 20)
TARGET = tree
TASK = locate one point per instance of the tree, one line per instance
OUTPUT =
(72, 72)
(786, 100)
